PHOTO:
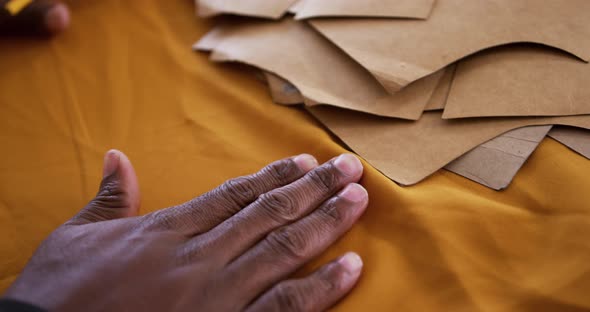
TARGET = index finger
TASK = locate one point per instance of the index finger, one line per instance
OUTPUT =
(207, 211)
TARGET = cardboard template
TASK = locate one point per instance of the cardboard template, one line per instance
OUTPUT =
(367, 8)
(576, 139)
(321, 71)
(496, 162)
(273, 9)
(400, 51)
(519, 80)
(408, 151)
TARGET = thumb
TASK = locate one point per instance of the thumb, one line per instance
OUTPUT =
(118, 195)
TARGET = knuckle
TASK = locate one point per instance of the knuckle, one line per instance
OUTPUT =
(282, 171)
(187, 254)
(279, 205)
(110, 194)
(215, 203)
(106, 205)
(289, 297)
(161, 219)
(241, 191)
(329, 278)
(91, 214)
(325, 178)
(330, 213)
(288, 243)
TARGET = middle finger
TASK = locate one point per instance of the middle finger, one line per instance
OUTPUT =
(285, 250)
(278, 207)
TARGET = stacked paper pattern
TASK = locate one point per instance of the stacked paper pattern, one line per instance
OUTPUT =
(415, 86)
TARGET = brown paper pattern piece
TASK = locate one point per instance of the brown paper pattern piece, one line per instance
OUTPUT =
(576, 139)
(493, 164)
(281, 91)
(273, 9)
(439, 97)
(365, 8)
(295, 8)
(213, 38)
(408, 152)
(496, 162)
(400, 51)
(519, 80)
(321, 71)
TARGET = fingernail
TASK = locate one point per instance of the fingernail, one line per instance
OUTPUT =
(354, 193)
(111, 162)
(352, 264)
(57, 18)
(306, 162)
(348, 164)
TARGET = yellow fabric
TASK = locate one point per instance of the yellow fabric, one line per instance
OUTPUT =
(124, 77)
(15, 6)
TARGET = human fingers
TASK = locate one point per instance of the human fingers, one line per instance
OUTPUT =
(118, 195)
(205, 212)
(288, 248)
(33, 17)
(317, 292)
(278, 207)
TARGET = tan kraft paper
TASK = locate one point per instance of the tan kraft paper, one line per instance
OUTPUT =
(493, 164)
(400, 51)
(273, 9)
(409, 151)
(496, 162)
(321, 71)
(519, 80)
(365, 8)
(576, 139)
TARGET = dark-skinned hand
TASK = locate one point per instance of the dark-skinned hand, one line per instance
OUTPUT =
(232, 249)
(33, 18)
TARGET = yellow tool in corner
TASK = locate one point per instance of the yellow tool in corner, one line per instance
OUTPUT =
(15, 6)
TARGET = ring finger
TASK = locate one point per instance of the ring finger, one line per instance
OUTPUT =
(288, 248)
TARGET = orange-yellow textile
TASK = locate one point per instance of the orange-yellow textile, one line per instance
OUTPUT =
(124, 76)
